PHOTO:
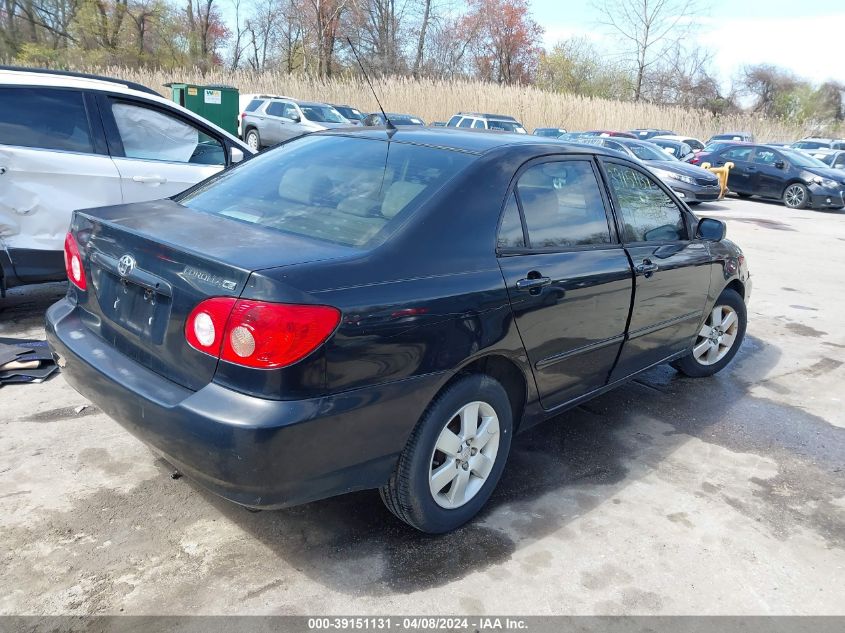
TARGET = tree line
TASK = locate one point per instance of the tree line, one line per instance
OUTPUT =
(492, 40)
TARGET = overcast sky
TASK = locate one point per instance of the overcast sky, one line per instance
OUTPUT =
(807, 37)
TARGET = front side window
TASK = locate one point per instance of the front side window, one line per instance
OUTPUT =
(153, 135)
(453, 122)
(353, 199)
(840, 161)
(648, 213)
(44, 118)
(562, 205)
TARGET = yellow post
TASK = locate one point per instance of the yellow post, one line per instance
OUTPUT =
(721, 174)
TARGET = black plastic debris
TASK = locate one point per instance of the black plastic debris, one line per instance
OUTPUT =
(25, 361)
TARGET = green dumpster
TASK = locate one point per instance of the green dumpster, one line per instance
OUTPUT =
(218, 104)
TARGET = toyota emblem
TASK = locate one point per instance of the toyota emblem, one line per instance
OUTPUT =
(125, 265)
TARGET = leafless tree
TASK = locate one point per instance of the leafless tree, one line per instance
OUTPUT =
(649, 28)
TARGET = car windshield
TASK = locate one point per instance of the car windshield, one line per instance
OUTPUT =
(505, 126)
(810, 145)
(353, 114)
(669, 147)
(321, 114)
(645, 152)
(353, 199)
(827, 159)
(802, 160)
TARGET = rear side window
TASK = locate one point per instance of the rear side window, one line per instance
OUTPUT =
(648, 213)
(840, 161)
(562, 205)
(44, 118)
(738, 153)
(252, 106)
(276, 108)
(353, 199)
(478, 124)
(453, 122)
(465, 123)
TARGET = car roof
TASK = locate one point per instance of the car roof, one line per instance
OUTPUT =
(68, 79)
(482, 115)
(465, 140)
(674, 137)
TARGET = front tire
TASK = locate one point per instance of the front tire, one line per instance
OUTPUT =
(744, 196)
(454, 457)
(796, 196)
(719, 338)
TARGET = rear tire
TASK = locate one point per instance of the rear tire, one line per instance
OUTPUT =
(744, 196)
(694, 203)
(253, 139)
(796, 196)
(437, 491)
(719, 338)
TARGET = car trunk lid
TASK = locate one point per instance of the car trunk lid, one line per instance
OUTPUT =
(150, 264)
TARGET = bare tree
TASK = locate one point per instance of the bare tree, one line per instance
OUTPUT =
(649, 27)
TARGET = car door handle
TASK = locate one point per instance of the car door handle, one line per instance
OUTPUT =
(532, 283)
(150, 180)
(647, 268)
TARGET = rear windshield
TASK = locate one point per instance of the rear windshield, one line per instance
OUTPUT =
(506, 126)
(346, 190)
(811, 145)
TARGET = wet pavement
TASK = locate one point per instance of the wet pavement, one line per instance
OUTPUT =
(669, 495)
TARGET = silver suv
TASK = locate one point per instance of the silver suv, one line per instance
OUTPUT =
(277, 120)
(478, 121)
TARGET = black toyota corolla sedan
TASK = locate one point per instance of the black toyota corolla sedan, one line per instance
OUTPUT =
(373, 309)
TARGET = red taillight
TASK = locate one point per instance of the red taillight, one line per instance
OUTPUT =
(258, 333)
(243, 115)
(73, 263)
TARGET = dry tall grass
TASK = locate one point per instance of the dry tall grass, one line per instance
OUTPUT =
(437, 100)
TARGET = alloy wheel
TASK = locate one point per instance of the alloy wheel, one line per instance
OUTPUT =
(794, 196)
(464, 455)
(252, 141)
(717, 336)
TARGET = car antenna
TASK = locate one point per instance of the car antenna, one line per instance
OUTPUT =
(391, 129)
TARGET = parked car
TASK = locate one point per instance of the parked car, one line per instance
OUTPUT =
(693, 142)
(276, 120)
(250, 101)
(678, 149)
(797, 179)
(353, 115)
(608, 133)
(814, 142)
(377, 119)
(486, 121)
(711, 149)
(269, 366)
(645, 134)
(72, 141)
(745, 137)
(553, 132)
(693, 184)
(831, 157)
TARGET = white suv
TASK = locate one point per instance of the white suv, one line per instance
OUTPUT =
(73, 141)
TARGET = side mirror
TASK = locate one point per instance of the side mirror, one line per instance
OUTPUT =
(295, 118)
(779, 164)
(711, 230)
(236, 155)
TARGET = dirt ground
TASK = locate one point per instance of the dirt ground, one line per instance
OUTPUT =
(668, 496)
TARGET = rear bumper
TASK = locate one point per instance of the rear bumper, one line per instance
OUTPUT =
(256, 452)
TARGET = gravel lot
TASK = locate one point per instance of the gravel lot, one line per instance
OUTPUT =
(668, 496)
